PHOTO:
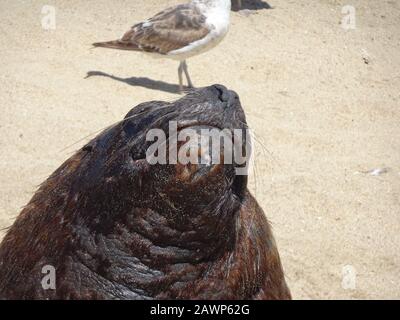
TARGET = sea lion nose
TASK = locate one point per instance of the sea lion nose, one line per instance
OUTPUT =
(223, 94)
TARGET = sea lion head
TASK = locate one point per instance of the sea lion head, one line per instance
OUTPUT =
(121, 154)
(117, 178)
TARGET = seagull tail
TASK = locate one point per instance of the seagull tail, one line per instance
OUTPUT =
(116, 44)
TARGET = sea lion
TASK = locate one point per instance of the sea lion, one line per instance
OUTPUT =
(113, 226)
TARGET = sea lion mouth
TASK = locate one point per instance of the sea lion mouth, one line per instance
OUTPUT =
(210, 137)
(201, 144)
(203, 148)
(192, 124)
(194, 142)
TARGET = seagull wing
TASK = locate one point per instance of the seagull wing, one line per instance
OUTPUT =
(169, 30)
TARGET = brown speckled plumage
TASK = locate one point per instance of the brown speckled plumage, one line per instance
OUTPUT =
(171, 29)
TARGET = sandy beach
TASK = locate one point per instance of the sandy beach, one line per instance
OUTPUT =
(322, 99)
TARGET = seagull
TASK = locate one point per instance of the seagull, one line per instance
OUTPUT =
(178, 33)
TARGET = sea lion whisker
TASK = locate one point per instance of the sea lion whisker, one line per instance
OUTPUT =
(264, 149)
(262, 145)
(101, 130)
(5, 228)
(86, 137)
(255, 177)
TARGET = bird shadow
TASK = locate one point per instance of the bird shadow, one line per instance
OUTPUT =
(250, 5)
(140, 82)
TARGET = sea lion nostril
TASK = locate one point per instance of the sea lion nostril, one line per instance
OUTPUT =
(224, 95)
(233, 96)
(222, 92)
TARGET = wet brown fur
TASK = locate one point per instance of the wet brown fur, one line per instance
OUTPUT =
(116, 228)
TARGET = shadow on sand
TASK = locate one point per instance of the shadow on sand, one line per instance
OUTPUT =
(250, 5)
(140, 82)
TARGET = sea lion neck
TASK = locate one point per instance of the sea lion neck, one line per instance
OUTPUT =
(147, 251)
(159, 240)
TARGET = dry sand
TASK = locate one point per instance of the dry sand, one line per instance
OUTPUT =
(324, 102)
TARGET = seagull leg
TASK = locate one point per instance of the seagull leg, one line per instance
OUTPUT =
(185, 69)
(180, 70)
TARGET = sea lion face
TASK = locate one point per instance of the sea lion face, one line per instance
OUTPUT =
(121, 162)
